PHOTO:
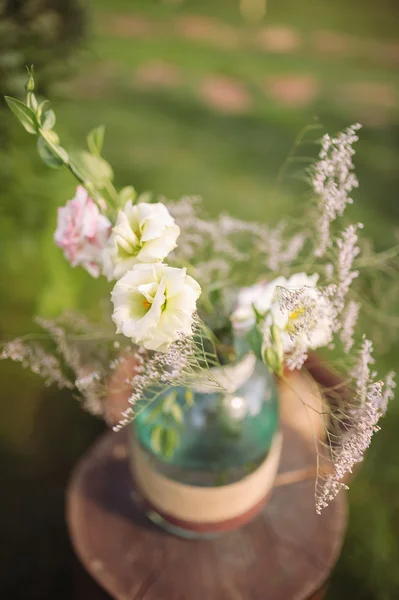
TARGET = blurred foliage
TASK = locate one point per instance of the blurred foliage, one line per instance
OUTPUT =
(39, 32)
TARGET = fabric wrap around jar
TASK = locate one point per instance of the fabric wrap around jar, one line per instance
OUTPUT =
(223, 467)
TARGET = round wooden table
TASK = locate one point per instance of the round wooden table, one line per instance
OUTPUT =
(286, 553)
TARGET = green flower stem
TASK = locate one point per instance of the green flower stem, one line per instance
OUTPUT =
(89, 168)
(59, 152)
(114, 199)
(297, 142)
(55, 149)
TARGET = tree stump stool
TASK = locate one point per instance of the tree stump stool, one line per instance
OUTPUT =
(286, 553)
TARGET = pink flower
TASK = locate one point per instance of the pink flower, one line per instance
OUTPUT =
(82, 232)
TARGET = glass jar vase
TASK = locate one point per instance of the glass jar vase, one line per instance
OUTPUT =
(204, 461)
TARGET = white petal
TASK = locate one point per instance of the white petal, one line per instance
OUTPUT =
(153, 219)
(160, 247)
(148, 290)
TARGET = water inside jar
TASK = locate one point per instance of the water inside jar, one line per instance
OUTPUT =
(224, 436)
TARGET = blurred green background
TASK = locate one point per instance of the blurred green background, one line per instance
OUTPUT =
(197, 97)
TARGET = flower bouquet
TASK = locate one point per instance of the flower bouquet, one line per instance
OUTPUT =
(211, 322)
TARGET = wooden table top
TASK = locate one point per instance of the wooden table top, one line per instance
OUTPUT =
(286, 553)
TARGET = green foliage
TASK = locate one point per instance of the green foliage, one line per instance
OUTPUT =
(24, 114)
(127, 193)
(167, 417)
(189, 397)
(48, 156)
(92, 168)
(45, 32)
(47, 120)
(273, 355)
(272, 360)
(95, 140)
(164, 440)
(255, 339)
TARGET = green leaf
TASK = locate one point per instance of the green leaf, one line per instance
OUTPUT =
(49, 157)
(164, 440)
(156, 434)
(41, 109)
(154, 413)
(177, 413)
(170, 441)
(48, 119)
(95, 140)
(145, 197)
(169, 401)
(127, 193)
(272, 360)
(259, 316)
(32, 101)
(255, 341)
(24, 114)
(189, 397)
(51, 137)
(92, 168)
(275, 333)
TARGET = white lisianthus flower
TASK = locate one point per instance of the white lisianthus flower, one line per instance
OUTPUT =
(82, 232)
(144, 233)
(305, 320)
(293, 316)
(155, 303)
(257, 298)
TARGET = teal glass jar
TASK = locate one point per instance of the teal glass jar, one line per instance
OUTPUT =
(204, 461)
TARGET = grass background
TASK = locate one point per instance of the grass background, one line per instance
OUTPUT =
(172, 139)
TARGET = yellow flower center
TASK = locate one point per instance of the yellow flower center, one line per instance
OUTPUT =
(294, 316)
(146, 304)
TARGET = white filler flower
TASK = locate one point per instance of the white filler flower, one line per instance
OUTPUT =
(144, 233)
(154, 304)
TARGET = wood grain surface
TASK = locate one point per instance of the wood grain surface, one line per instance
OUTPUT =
(286, 553)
